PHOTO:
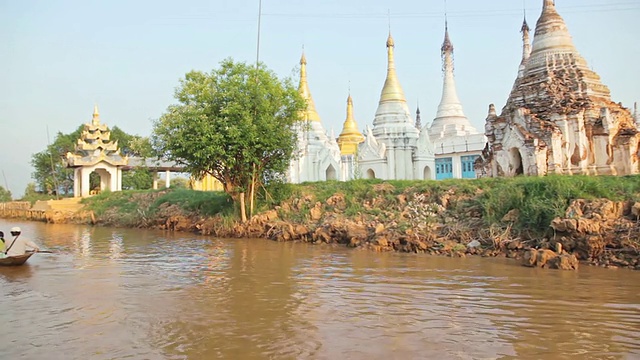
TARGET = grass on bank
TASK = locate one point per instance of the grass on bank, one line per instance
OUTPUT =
(538, 199)
(139, 207)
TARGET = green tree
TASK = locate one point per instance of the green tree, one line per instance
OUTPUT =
(234, 123)
(30, 190)
(50, 171)
(180, 183)
(5, 195)
(139, 179)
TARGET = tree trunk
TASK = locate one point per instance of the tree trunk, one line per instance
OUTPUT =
(243, 211)
(253, 190)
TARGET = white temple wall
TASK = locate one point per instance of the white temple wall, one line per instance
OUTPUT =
(513, 153)
(377, 167)
(556, 156)
(347, 168)
(601, 155)
(537, 162)
(582, 143)
(404, 164)
(625, 157)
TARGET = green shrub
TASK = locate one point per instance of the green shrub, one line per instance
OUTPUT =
(206, 203)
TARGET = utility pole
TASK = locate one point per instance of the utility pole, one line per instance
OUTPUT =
(258, 43)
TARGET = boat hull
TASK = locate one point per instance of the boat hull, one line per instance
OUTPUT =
(15, 260)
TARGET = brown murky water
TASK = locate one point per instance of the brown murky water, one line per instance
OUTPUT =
(132, 294)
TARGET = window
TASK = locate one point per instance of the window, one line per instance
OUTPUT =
(444, 168)
(468, 172)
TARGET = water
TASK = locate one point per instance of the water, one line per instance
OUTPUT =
(134, 294)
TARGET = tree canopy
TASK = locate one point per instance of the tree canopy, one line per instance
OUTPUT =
(52, 176)
(5, 195)
(235, 123)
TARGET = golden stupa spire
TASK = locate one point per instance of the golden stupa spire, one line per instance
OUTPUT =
(310, 113)
(350, 137)
(96, 116)
(392, 91)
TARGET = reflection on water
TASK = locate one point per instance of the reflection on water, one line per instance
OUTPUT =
(120, 293)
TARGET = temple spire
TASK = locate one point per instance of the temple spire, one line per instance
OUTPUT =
(526, 42)
(96, 116)
(526, 46)
(449, 93)
(392, 91)
(450, 118)
(350, 136)
(393, 117)
(310, 112)
(552, 35)
(418, 120)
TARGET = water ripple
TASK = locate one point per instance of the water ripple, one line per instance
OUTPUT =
(118, 294)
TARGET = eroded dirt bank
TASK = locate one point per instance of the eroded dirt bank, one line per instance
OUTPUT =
(599, 232)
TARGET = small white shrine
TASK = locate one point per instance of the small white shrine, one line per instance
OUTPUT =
(94, 152)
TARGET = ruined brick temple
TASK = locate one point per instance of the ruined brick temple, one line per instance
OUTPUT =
(559, 117)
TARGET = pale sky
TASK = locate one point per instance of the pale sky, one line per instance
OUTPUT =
(60, 57)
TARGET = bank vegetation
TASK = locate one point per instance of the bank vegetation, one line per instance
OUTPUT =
(595, 219)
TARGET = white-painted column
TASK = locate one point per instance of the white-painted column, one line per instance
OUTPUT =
(85, 188)
(77, 173)
(167, 179)
(408, 164)
(114, 179)
(391, 164)
(154, 175)
(457, 166)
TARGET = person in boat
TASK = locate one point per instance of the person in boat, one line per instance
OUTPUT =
(18, 245)
(2, 247)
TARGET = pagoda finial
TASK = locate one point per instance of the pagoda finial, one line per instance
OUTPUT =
(526, 43)
(96, 115)
(447, 45)
(303, 59)
(548, 4)
(418, 120)
(390, 44)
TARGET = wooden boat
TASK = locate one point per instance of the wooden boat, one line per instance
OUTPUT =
(15, 260)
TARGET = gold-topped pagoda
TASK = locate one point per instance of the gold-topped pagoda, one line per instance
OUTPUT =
(318, 155)
(350, 136)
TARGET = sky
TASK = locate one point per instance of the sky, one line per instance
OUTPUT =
(60, 57)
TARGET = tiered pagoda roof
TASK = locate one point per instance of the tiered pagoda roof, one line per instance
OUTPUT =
(94, 146)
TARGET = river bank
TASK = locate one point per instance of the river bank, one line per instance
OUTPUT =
(546, 222)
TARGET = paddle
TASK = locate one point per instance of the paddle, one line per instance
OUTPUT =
(46, 252)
